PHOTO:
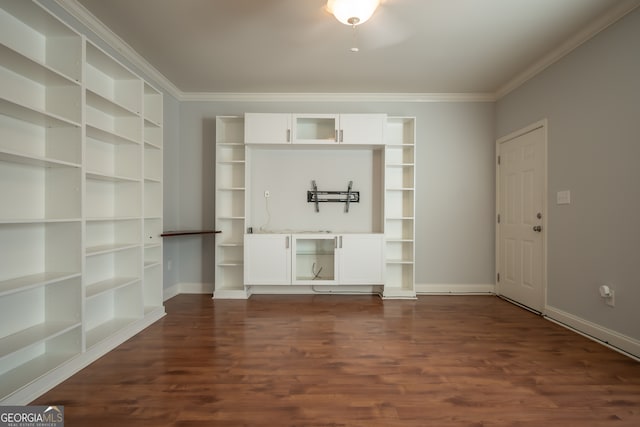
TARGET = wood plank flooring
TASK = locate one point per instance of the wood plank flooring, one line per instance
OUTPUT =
(353, 361)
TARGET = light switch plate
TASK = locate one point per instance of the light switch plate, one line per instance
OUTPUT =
(563, 197)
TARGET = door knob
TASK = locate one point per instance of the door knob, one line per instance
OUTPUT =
(537, 228)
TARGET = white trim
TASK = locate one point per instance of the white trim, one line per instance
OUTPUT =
(195, 288)
(453, 289)
(520, 132)
(314, 290)
(541, 124)
(619, 10)
(231, 294)
(170, 292)
(187, 288)
(96, 26)
(612, 339)
(396, 293)
(336, 97)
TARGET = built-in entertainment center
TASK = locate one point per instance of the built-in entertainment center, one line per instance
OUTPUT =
(312, 203)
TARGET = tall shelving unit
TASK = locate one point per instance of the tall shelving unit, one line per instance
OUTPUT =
(73, 170)
(40, 185)
(113, 194)
(230, 207)
(400, 207)
(152, 210)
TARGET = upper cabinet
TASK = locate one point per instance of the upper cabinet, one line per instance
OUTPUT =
(267, 128)
(284, 128)
(316, 128)
(362, 129)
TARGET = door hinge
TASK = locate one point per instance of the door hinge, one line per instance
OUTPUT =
(498, 159)
(498, 218)
(498, 277)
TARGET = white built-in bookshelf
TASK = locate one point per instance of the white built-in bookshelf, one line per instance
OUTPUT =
(81, 217)
(230, 207)
(272, 254)
(400, 207)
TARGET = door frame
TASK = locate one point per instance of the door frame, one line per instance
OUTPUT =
(530, 128)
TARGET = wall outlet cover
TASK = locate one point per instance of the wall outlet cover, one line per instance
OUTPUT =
(563, 197)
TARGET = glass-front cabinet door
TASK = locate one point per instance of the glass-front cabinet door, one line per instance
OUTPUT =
(315, 128)
(315, 259)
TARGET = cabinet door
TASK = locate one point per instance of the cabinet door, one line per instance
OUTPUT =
(267, 128)
(315, 128)
(362, 129)
(361, 259)
(315, 259)
(267, 259)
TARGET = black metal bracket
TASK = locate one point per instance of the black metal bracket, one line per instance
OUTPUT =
(347, 197)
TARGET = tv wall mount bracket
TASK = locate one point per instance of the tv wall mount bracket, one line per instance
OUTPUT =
(347, 197)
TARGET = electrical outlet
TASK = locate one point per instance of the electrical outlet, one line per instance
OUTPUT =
(169, 265)
(267, 194)
(611, 300)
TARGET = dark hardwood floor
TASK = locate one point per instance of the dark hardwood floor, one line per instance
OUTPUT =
(353, 361)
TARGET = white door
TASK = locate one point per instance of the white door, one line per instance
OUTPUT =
(361, 259)
(267, 259)
(521, 209)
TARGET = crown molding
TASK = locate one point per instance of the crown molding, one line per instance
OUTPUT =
(96, 26)
(614, 14)
(336, 97)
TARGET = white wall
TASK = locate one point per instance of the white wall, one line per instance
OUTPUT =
(455, 184)
(287, 174)
(592, 101)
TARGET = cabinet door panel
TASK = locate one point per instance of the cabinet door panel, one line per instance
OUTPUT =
(315, 128)
(267, 128)
(267, 259)
(362, 129)
(361, 259)
(315, 259)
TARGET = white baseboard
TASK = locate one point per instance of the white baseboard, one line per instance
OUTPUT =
(188, 288)
(612, 339)
(395, 293)
(196, 288)
(231, 294)
(452, 289)
(171, 291)
(421, 289)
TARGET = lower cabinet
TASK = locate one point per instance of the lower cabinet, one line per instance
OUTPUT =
(314, 259)
(361, 259)
(267, 259)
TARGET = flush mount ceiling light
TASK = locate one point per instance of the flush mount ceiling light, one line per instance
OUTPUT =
(352, 12)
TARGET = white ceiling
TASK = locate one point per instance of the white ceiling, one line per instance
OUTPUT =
(408, 46)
